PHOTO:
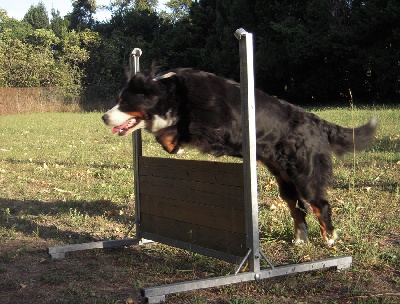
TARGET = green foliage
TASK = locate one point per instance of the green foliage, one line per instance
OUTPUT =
(180, 9)
(82, 14)
(37, 16)
(15, 29)
(43, 57)
(314, 51)
(58, 24)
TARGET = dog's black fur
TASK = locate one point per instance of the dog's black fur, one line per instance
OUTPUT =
(203, 110)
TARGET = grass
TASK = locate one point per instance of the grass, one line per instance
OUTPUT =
(64, 178)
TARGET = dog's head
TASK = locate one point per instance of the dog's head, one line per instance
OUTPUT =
(137, 105)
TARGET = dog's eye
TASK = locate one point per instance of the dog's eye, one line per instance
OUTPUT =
(121, 101)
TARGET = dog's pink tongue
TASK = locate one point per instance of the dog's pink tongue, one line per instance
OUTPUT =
(123, 126)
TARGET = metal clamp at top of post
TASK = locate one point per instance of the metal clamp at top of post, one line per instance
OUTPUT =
(239, 33)
(134, 65)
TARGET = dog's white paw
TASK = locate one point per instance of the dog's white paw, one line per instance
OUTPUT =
(298, 242)
(331, 241)
(301, 234)
(180, 151)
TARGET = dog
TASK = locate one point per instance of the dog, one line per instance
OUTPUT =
(185, 107)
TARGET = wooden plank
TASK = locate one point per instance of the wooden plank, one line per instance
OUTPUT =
(219, 240)
(225, 196)
(201, 171)
(226, 219)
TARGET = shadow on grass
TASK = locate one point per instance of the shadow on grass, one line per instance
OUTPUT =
(73, 163)
(43, 219)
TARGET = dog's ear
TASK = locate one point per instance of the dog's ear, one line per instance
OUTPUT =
(125, 73)
(144, 84)
(168, 82)
(154, 69)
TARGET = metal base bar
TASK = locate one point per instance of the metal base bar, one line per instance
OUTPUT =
(157, 294)
(58, 252)
(156, 299)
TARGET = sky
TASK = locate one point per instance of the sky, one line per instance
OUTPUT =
(18, 8)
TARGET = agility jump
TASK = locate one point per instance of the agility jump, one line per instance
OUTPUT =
(211, 207)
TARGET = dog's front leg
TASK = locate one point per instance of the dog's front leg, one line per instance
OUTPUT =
(169, 139)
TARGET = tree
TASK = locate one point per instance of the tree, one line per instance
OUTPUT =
(146, 5)
(305, 51)
(17, 29)
(180, 9)
(39, 58)
(81, 17)
(186, 41)
(130, 26)
(58, 24)
(37, 16)
(374, 75)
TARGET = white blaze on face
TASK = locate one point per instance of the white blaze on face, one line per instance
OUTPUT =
(116, 117)
(123, 123)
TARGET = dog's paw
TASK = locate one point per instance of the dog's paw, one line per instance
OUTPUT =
(331, 241)
(180, 151)
(299, 242)
(301, 234)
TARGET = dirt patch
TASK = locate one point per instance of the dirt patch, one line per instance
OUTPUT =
(28, 275)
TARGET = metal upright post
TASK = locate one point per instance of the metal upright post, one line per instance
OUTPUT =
(249, 146)
(137, 146)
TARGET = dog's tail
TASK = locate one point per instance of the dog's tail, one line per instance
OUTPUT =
(344, 140)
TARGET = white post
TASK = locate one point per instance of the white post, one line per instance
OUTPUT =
(249, 145)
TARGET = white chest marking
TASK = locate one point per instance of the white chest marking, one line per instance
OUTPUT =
(159, 122)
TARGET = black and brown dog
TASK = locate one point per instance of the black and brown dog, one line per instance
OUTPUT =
(185, 107)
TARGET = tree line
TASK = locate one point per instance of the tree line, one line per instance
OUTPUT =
(314, 51)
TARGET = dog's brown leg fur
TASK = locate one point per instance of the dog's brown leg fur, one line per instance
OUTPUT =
(323, 212)
(289, 194)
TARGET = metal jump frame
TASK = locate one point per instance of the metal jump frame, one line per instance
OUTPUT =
(254, 255)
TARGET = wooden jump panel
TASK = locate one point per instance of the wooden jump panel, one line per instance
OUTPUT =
(219, 240)
(215, 184)
(200, 203)
(199, 214)
(201, 171)
(203, 193)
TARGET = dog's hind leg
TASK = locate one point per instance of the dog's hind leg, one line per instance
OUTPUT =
(312, 189)
(289, 194)
(323, 211)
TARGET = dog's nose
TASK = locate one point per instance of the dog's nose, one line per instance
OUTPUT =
(105, 118)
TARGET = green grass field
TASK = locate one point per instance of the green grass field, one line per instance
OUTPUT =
(65, 178)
